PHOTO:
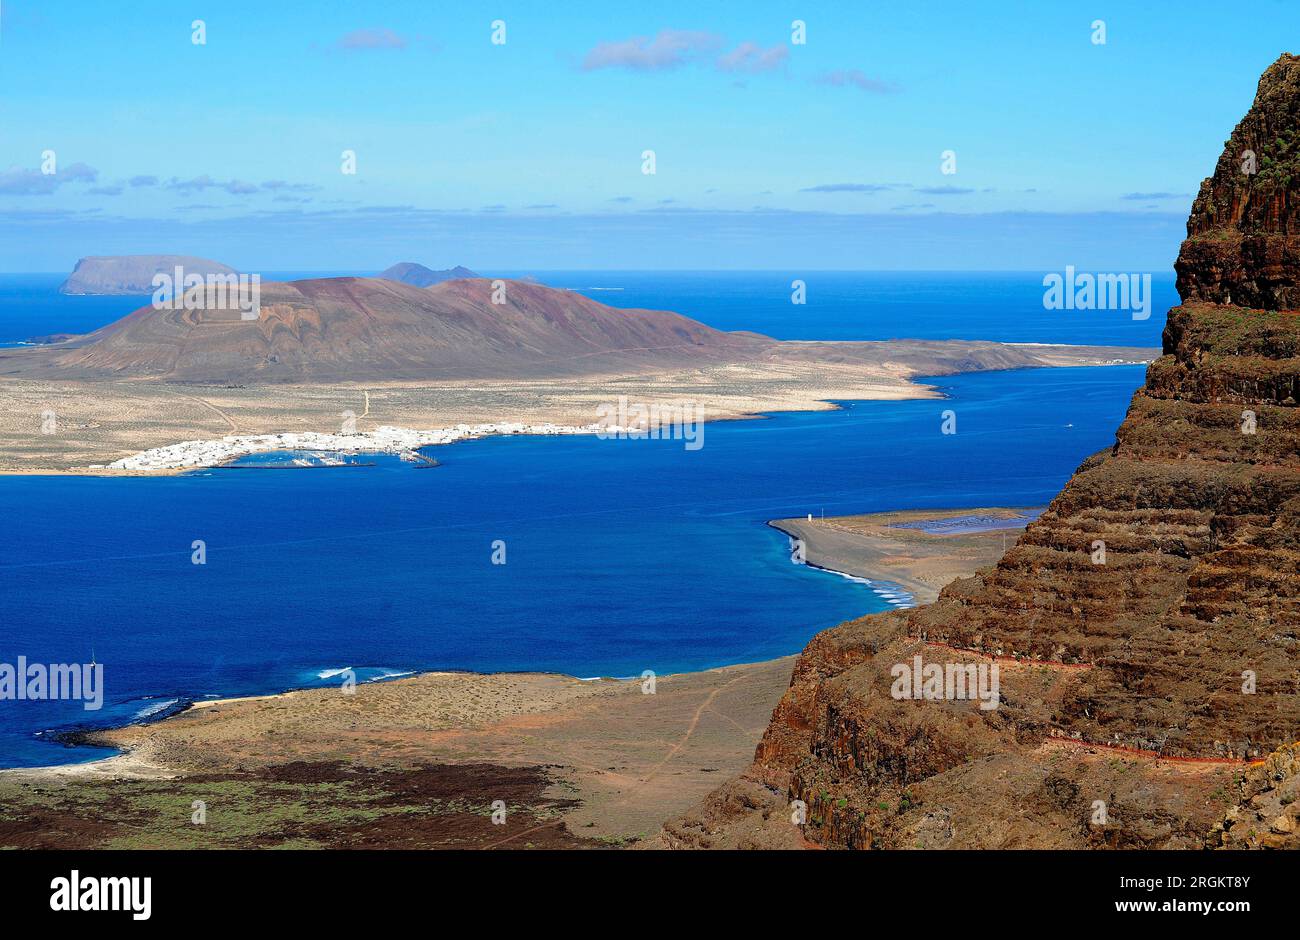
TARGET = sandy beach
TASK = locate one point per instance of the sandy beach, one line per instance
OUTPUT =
(918, 560)
(419, 761)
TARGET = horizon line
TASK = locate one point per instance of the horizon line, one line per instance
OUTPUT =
(334, 272)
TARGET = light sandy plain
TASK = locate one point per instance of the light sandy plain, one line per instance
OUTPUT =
(98, 422)
(619, 761)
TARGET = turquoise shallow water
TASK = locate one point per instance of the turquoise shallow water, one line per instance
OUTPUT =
(621, 556)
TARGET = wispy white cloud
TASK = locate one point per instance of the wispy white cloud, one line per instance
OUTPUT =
(1147, 197)
(202, 183)
(674, 48)
(234, 187)
(665, 237)
(670, 49)
(79, 172)
(20, 181)
(856, 78)
(850, 187)
(752, 58)
(375, 39)
(282, 186)
(945, 190)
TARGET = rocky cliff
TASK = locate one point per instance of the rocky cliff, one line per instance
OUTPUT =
(1243, 236)
(133, 274)
(1146, 629)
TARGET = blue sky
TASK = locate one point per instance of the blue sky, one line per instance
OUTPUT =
(769, 154)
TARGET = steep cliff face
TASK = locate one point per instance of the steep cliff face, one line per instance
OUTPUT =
(1243, 237)
(1146, 628)
(1169, 564)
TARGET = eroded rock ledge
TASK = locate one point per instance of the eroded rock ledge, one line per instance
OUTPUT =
(1147, 626)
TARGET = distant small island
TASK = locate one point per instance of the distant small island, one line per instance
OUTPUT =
(133, 274)
(417, 275)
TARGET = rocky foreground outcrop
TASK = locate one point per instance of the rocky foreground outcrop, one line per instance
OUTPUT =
(1146, 629)
(1243, 237)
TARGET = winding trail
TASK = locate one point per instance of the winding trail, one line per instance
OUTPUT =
(213, 408)
(686, 736)
(648, 776)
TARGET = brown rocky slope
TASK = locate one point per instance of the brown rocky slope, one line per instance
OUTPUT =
(358, 329)
(350, 329)
(1146, 628)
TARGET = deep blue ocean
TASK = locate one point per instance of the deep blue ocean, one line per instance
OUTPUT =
(1002, 306)
(621, 556)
